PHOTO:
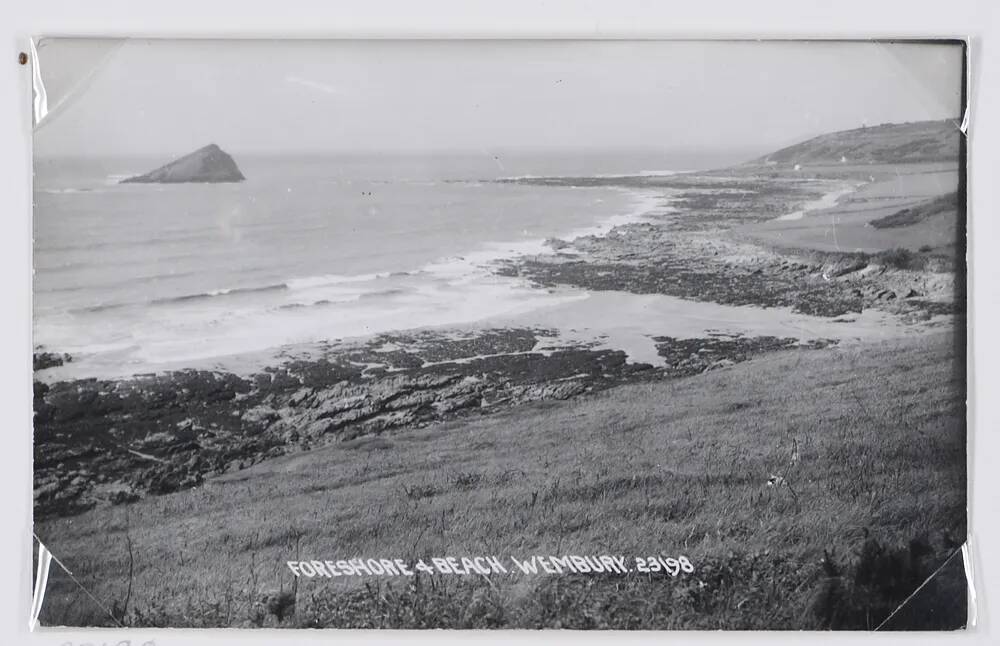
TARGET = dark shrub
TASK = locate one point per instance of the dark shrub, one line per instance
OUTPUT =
(898, 258)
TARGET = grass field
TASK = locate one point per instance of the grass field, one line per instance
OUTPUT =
(810, 489)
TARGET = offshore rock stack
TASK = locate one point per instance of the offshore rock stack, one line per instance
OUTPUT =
(206, 165)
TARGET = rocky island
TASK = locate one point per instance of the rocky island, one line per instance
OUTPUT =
(209, 164)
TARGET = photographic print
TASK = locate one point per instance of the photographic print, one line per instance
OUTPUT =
(583, 334)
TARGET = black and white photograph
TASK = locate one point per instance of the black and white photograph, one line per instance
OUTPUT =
(500, 334)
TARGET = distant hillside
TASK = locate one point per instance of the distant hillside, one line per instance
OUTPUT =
(891, 143)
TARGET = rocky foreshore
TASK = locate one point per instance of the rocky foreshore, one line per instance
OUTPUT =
(115, 441)
(828, 285)
(690, 252)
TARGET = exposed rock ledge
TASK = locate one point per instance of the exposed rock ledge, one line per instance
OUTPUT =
(112, 442)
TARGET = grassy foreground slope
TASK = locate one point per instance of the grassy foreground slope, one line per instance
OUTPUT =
(810, 489)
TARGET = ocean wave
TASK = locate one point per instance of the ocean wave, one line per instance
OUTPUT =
(320, 285)
(90, 245)
(90, 264)
(661, 173)
(393, 291)
(322, 300)
(183, 298)
(63, 191)
(220, 292)
(311, 282)
(102, 307)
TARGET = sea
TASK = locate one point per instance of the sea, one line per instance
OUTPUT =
(129, 278)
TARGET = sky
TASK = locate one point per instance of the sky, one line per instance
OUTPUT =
(168, 97)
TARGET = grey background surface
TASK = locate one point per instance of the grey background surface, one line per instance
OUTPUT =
(365, 96)
(976, 19)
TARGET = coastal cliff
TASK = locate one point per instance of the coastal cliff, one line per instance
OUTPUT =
(888, 143)
(209, 164)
